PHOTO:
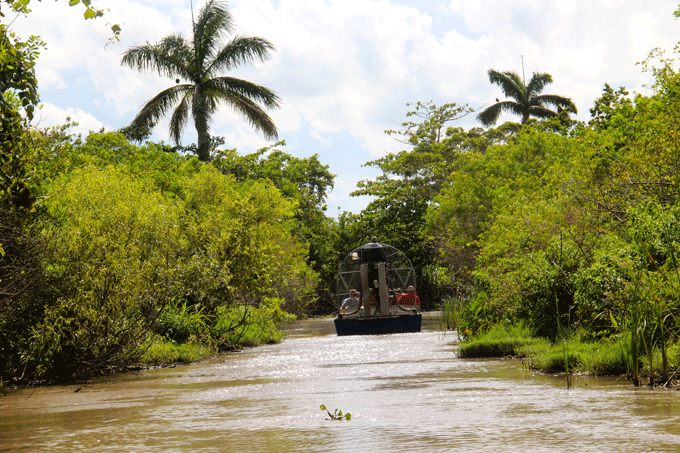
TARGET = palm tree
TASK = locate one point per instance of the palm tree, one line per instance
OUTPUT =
(527, 100)
(199, 62)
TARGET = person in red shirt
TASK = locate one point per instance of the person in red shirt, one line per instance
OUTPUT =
(409, 297)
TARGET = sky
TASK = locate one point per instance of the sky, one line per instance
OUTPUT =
(346, 69)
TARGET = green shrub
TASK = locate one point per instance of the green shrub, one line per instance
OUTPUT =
(129, 241)
(181, 323)
(479, 315)
(249, 326)
(114, 250)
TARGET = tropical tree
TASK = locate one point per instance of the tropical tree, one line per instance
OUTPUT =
(527, 100)
(198, 62)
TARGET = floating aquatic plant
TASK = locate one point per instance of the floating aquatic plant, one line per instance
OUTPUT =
(337, 415)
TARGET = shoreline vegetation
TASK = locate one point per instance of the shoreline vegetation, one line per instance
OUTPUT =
(571, 353)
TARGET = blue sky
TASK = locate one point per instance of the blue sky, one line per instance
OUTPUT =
(346, 69)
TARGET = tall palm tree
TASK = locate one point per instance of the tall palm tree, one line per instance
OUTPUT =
(198, 62)
(527, 100)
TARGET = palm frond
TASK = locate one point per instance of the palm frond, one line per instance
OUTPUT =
(179, 118)
(257, 93)
(537, 83)
(157, 107)
(542, 112)
(510, 83)
(257, 117)
(240, 50)
(213, 21)
(557, 101)
(490, 116)
(169, 58)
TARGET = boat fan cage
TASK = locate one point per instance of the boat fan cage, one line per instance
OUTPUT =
(399, 270)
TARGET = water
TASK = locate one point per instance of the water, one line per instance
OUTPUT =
(405, 392)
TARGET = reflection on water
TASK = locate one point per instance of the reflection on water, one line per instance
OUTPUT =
(406, 392)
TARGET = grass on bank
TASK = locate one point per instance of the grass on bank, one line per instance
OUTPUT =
(500, 341)
(605, 358)
(163, 352)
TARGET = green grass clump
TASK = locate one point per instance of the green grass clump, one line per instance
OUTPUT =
(450, 314)
(501, 340)
(599, 358)
(162, 353)
(607, 357)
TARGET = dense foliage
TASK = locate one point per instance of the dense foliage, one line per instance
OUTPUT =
(308, 182)
(127, 233)
(576, 225)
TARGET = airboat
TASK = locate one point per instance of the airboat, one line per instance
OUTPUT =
(376, 292)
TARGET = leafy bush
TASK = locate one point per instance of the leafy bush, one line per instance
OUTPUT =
(128, 239)
(479, 315)
(183, 323)
(114, 248)
(249, 326)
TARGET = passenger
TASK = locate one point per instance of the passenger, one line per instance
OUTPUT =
(409, 297)
(352, 302)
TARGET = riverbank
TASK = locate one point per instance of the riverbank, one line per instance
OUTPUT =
(571, 354)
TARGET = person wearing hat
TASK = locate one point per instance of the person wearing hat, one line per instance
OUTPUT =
(352, 302)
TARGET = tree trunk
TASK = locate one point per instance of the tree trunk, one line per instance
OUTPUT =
(200, 112)
(203, 150)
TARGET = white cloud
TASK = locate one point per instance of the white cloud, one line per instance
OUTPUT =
(50, 115)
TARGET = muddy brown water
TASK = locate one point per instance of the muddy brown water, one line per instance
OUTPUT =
(405, 392)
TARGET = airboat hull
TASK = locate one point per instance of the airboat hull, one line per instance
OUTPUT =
(378, 325)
